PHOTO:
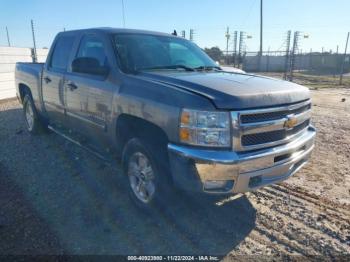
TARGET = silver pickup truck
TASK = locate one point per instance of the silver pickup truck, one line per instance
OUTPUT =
(168, 111)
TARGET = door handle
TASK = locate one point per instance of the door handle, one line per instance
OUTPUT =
(72, 86)
(47, 79)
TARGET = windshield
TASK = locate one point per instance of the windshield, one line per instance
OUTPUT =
(138, 52)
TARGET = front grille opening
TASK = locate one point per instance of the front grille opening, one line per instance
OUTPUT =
(272, 136)
(261, 117)
(286, 156)
(298, 164)
(282, 157)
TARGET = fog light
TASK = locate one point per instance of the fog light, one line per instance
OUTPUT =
(255, 181)
(218, 185)
(214, 184)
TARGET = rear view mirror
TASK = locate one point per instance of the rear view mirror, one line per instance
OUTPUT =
(89, 65)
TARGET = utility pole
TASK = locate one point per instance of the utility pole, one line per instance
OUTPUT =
(294, 49)
(343, 63)
(268, 60)
(286, 61)
(235, 48)
(8, 37)
(261, 34)
(310, 59)
(227, 35)
(191, 34)
(123, 10)
(183, 33)
(35, 59)
(261, 26)
(240, 47)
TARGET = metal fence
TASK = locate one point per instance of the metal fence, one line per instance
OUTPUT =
(280, 62)
(8, 58)
(327, 66)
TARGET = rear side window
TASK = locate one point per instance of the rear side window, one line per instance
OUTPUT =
(60, 56)
(93, 47)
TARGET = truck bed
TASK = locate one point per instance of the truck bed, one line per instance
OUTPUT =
(29, 74)
(27, 66)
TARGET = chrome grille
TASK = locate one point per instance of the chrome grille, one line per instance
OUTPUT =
(261, 128)
(272, 115)
(267, 137)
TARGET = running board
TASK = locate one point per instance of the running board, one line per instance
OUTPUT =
(100, 156)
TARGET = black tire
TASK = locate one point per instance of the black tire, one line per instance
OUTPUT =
(161, 171)
(35, 126)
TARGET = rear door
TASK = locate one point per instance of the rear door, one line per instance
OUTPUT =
(53, 78)
(89, 96)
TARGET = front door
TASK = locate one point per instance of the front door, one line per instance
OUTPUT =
(88, 95)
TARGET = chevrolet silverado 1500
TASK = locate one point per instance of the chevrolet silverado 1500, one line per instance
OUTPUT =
(172, 115)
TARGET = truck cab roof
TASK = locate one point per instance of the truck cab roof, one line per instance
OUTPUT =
(112, 30)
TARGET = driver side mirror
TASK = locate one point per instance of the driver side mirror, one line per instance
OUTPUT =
(89, 65)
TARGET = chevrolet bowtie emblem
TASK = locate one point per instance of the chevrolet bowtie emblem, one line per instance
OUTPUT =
(290, 122)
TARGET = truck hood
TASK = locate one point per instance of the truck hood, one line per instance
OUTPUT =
(234, 90)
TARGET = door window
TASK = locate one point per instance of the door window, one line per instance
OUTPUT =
(93, 47)
(61, 52)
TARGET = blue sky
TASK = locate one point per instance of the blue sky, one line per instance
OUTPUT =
(326, 22)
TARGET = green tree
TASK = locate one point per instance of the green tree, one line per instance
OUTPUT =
(215, 53)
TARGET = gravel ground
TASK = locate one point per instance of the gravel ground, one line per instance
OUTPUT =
(56, 198)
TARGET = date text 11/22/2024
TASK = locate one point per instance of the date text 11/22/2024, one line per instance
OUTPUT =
(174, 258)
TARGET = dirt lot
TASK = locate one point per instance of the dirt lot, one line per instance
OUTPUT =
(56, 198)
(313, 80)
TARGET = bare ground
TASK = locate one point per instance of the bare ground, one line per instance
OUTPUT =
(56, 198)
(309, 214)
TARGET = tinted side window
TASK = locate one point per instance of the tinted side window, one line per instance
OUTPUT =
(63, 47)
(93, 47)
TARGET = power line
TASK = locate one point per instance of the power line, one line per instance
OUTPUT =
(249, 12)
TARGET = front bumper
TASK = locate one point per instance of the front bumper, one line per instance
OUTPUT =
(213, 171)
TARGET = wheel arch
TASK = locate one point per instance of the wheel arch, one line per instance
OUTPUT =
(129, 126)
(23, 90)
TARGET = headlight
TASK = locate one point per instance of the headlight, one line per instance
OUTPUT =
(205, 128)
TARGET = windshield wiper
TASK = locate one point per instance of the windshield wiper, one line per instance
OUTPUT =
(207, 68)
(168, 67)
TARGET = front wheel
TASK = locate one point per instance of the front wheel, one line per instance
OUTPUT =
(31, 117)
(147, 174)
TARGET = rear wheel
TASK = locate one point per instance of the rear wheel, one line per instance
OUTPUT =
(31, 117)
(148, 175)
